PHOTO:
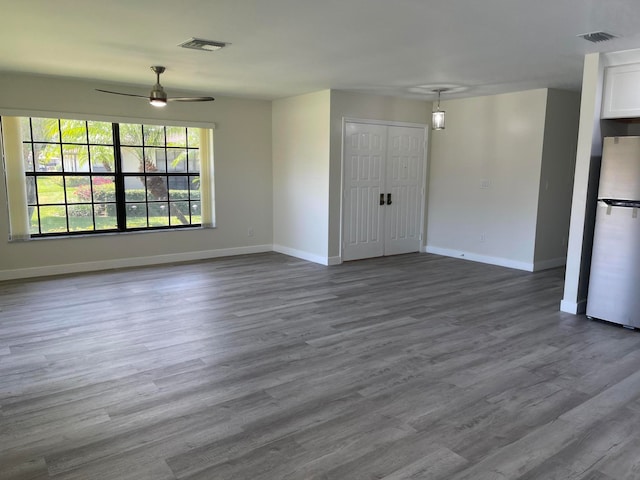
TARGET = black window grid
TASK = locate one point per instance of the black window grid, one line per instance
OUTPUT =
(118, 176)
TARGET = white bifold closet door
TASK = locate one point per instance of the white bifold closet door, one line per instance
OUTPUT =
(383, 190)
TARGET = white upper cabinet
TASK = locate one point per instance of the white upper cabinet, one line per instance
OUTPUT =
(621, 98)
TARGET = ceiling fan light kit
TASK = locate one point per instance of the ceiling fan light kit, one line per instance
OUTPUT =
(158, 97)
(158, 102)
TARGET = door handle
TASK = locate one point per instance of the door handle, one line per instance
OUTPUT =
(389, 199)
(382, 199)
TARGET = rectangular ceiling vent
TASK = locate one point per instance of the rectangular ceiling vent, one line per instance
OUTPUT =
(597, 37)
(202, 44)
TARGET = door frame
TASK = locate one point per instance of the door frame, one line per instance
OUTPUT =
(388, 123)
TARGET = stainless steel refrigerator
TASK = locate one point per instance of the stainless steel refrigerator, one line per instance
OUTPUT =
(614, 284)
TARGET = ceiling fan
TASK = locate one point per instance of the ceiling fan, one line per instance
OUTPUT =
(158, 97)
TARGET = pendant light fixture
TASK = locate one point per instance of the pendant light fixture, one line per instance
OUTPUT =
(437, 116)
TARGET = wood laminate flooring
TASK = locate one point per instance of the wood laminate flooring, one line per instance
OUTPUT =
(268, 367)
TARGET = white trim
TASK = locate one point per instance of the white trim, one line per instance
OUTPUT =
(474, 257)
(15, 179)
(341, 243)
(575, 308)
(334, 261)
(207, 183)
(551, 263)
(310, 257)
(115, 233)
(105, 118)
(388, 123)
(129, 262)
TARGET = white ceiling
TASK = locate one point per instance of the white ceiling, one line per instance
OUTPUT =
(282, 48)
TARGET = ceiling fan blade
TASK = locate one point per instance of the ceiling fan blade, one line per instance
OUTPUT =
(190, 99)
(120, 93)
(158, 96)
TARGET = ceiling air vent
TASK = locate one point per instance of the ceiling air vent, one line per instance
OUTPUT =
(597, 37)
(201, 44)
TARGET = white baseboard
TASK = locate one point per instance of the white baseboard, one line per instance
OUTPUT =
(575, 308)
(130, 262)
(301, 254)
(551, 263)
(474, 257)
(226, 252)
(334, 261)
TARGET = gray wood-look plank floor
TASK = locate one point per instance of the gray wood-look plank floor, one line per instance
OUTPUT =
(268, 367)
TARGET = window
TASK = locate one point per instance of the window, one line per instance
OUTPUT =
(95, 177)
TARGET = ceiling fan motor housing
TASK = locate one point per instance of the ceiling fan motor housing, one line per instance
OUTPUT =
(158, 97)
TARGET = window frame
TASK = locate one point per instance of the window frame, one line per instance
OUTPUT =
(119, 175)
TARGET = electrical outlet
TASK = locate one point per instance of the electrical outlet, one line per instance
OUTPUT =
(483, 237)
(250, 232)
(485, 184)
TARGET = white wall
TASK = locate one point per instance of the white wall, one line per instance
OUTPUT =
(588, 157)
(242, 150)
(369, 107)
(307, 165)
(484, 178)
(556, 182)
(301, 175)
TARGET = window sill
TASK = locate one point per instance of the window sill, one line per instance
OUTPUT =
(110, 234)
